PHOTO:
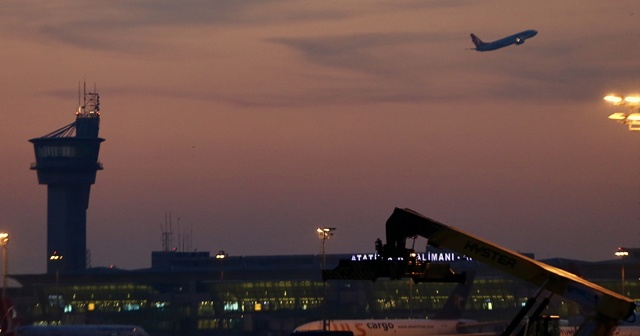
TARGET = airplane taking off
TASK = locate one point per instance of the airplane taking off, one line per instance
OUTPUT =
(517, 39)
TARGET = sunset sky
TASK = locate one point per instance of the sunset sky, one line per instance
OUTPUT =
(255, 122)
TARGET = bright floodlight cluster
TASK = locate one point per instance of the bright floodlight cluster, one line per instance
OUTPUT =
(325, 233)
(631, 117)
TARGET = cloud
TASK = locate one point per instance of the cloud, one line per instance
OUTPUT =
(382, 67)
(366, 53)
(115, 26)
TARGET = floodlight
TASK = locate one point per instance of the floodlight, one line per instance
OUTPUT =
(633, 117)
(613, 99)
(621, 252)
(632, 99)
(618, 116)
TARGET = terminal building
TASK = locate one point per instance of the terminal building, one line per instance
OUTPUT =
(196, 293)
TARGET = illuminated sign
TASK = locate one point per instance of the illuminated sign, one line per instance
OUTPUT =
(361, 257)
(428, 256)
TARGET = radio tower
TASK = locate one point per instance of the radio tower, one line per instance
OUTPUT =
(67, 162)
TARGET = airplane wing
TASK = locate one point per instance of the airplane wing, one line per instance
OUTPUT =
(405, 223)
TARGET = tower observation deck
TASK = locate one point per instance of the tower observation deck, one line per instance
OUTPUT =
(67, 162)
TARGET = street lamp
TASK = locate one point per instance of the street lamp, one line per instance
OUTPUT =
(4, 240)
(622, 253)
(324, 234)
(221, 256)
(631, 118)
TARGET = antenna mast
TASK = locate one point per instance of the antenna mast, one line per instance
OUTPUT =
(90, 106)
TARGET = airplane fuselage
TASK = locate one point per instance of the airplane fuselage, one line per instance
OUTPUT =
(387, 327)
(518, 38)
(619, 331)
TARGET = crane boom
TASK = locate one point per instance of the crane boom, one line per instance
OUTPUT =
(610, 307)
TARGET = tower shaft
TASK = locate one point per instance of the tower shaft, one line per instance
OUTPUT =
(67, 227)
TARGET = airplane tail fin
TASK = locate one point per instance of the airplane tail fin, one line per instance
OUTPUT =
(476, 40)
(454, 306)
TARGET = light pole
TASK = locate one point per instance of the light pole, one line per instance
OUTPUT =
(631, 117)
(221, 255)
(622, 253)
(324, 234)
(4, 240)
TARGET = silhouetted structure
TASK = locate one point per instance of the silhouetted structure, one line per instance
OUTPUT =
(67, 162)
(199, 294)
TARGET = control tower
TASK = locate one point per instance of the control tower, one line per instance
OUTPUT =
(67, 162)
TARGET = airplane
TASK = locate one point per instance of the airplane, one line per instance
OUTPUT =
(619, 331)
(446, 322)
(398, 327)
(80, 330)
(517, 39)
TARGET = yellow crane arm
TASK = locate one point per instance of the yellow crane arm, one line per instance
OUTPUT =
(405, 223)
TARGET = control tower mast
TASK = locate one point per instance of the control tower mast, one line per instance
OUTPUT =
(67, 162)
